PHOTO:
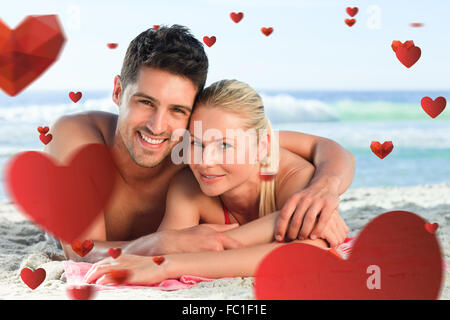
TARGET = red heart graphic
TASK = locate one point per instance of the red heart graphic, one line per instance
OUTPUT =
(118, 276)
(397, 44)
(115, 253)
(82, 248)
(27, 51)
(84, 292)
(155, 26)
(350, 22)
(352, 11)
(416, 24)
(236, 17)
(112, 45)
(71, 197)
(209, 41)
(45, 138)
(433, 108)
(408, 55)
(31, 278)
(431, 228)
(158, 260)
(267, 31)
(381, 150)
(43, 130)
(394, 257)
(75, 97)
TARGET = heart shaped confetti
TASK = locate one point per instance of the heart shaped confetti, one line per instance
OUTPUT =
(393, 258)
(267, 31)
(351, 11)
(75, 97)
(408, 54)
(236, 17)
(43, 130)
(28, 51)
(381, 150)
(71, 197)
(431, 227)
(397, 44)
(115, 253)
(112, 45)
(156, 26)
(158, 260)
(82, 292)
(82, 248)
(433, 107)
(209, 41)
(33, 279)
(350, 22)
(45, 138)
(416, 24)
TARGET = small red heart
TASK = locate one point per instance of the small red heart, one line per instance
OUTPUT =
(397, 44)
(75, 97)
(381, 150)
(433, 108)
(43, 130)
(45, 138)
(209, 41)
(267, 31)
(236, 17)
(352, 11)
(350, 22)
(82, 248)
(408, 54)
(431, 228)
(84, 292)
(112, 45)
(158, 260)
(416, 24)
(118, 276)
(115, 253)
(31, 278)
(155, 26)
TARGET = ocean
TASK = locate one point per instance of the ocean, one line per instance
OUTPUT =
(354, 119)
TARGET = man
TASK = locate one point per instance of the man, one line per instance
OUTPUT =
(162, 73)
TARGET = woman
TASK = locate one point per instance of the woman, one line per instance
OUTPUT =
(240, 179)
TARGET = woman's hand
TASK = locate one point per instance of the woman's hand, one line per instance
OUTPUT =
(139, 270)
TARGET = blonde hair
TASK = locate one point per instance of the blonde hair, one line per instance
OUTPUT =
(239, 98)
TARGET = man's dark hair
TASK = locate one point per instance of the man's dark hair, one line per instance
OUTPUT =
(173, 49)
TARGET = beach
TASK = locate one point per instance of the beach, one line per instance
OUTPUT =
(23, 245)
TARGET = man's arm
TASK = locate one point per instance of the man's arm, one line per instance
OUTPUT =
(335, 167)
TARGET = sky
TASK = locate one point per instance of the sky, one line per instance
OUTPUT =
(311, 48)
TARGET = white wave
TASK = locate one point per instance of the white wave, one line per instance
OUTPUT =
(285, 108)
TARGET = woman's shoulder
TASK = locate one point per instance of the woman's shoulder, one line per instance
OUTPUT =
(294, 172)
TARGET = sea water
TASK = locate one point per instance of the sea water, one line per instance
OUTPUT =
(354, 119)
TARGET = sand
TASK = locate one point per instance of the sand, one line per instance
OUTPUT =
(23, 244)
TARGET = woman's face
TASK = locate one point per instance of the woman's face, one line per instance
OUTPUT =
(223, 152)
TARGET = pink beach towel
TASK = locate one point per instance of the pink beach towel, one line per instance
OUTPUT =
(75, 272)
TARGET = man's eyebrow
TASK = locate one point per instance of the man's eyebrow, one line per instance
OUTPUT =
(156, 101)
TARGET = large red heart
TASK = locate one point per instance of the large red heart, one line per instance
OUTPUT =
(64, 200)
(393, 257)
(27, 51)
(31, 278)
(433, 108)
(381, 150)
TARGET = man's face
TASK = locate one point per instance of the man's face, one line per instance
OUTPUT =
(151, 109)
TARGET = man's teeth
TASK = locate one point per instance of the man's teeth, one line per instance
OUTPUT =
(152, 141)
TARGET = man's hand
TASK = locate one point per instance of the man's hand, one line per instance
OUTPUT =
(335, 231)
(298, 216)
(204, 237)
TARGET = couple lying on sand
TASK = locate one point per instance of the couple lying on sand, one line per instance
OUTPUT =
(204, 216)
